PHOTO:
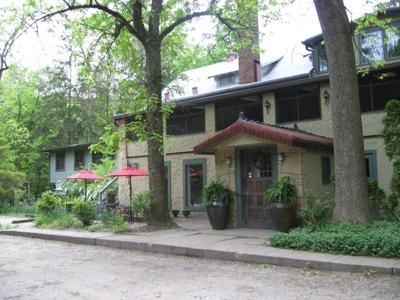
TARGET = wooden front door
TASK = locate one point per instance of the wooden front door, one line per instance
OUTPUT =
(257, 176)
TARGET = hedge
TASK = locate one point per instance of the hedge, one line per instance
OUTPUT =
(378, 239)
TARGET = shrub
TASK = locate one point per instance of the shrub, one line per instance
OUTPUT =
(378, 239)
(216, 191)
(114, 223)
(48, 203)
(375, 194)
(84, 211)
(141, 205)
(282, 191)
(17, 209)
(316, 210)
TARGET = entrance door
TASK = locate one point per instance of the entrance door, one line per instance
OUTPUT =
(257, 176)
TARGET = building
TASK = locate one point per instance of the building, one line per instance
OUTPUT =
(67, 160)
(251, 125)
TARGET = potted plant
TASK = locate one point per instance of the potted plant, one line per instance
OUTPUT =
(217, 196)
(282, 197)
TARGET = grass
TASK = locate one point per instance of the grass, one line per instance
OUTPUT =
(381, 238)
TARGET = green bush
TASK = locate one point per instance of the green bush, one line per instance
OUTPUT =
(141, 205)
(316, 210)
(48, 204)
(378, 239)
(60, 220)
(282, 191)
(114, 223)
(84, 211)
(17, 209)
(216, 191)
(375, 194)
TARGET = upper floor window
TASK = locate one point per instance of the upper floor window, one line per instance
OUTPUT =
(380, 44)
(227, 113)
(374, 95)
(60, 161)
(321, 59)
(186, 120)
(79, 159)
(96, 158)
(227, 79)
(298, 104)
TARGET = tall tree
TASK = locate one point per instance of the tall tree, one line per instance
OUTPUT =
(150, 23)
(351, 195)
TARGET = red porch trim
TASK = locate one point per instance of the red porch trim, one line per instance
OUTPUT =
(281, 135)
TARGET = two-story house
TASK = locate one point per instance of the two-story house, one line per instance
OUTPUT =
(249, 123)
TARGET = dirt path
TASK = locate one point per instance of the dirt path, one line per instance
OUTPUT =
(36, 269)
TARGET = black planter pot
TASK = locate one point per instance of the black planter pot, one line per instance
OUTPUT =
(283, 217)
(175, 213)
(218, 215)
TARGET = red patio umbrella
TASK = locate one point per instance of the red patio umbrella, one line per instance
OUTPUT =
(84, 175)
(129, 172)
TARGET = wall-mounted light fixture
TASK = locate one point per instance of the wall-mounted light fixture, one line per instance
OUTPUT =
(326, 96)
(229, 162)
(267, 105)
(281, 156)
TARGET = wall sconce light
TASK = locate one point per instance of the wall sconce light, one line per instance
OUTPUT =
(326, 96)
(281, 156)
(267, 105)
(229, 162)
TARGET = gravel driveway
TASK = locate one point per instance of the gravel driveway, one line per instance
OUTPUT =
(37, 269)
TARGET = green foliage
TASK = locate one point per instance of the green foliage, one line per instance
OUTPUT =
(377, 239)
(57, 220)
(317, 209)
(84, 211)
(215, 192)
(391, 134)
(140, 204)
(48, 204)
(282, 191)
(113, 223)
(17, 209)
(375, 194)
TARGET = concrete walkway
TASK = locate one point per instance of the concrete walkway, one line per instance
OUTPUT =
(245, 245)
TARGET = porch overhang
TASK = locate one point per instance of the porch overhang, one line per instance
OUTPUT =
(272, 133)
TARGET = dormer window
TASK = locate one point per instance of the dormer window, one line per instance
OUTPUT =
(321, 62)
(227, 79)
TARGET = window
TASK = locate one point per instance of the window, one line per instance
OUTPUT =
(133, 165)
(167, 182)
(79, 159)
(375, 94)
(186, 120)
(60, 161)
(326, 170)
(298, 104)
(227, 79)
(96, 158)
(380, 44)
(194, 180)
(321, 59)
(227, 113)
(370, 163)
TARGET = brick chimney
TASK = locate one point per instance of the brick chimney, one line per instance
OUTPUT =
(249, 62)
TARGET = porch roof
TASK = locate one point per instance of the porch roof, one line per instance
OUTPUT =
(278, 134)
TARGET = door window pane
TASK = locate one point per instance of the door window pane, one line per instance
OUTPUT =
(326, 170)
(194, 173)
(167, 182)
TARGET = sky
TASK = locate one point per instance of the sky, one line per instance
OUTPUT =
(298, 21)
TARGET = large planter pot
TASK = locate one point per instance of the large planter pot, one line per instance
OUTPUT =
(218, 214)
(283, 217)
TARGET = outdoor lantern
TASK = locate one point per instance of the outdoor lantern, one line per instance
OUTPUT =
(267, 105)
(326, 96)
(229, 162)
(281, 156)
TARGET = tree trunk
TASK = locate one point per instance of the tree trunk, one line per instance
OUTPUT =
(351, 195)
(159, 214)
